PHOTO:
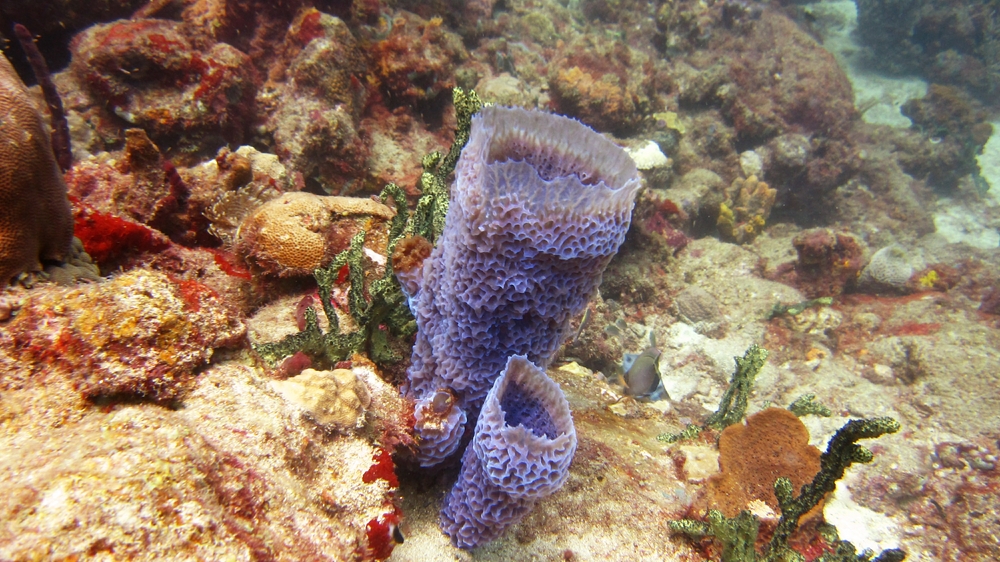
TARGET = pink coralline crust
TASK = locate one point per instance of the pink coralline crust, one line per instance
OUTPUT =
(179, 88)
(95, 180)
(142, 333)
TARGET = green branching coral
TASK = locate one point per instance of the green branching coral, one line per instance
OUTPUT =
(806, 404)
(842, 452)
(428, 217)
(733, 406)
(797, 308)
(382, 314)
(739, 534)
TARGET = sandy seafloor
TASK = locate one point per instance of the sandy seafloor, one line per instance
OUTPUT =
(614, 509)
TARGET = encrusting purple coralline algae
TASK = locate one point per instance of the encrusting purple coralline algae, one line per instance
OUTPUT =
(540, 205)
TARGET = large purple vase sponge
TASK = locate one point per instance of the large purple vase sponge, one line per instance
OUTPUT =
(521, 452)
(539, 206)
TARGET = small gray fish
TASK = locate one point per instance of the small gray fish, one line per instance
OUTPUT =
(642, 375)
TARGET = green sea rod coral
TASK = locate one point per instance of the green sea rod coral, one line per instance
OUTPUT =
(733, 407)
(382, 314)
(428, 217)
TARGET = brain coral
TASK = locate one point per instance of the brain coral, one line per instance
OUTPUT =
(334, 398)
(299, 232)
(540, 205)
(524, 442)
(889, 269)
(35, 218)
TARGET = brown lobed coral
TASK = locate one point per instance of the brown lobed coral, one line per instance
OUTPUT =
(772, 444)
(35, 218)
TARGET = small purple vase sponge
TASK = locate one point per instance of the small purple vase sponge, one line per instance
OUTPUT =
(520, 453)
(539, 206)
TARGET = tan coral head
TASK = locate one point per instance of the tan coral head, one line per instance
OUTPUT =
(36, 222)
(299, 232)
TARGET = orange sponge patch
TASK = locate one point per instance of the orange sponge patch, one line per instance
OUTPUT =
(772, 444)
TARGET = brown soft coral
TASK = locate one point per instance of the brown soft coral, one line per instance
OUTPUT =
(772, 444)
(35, 218)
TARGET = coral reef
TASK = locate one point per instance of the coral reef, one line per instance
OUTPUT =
(955, 44)
(285, 449)
(237, 473)
(500, 227)
(416, 62)
(828, 263)
(35, 217)
(154, 74)
(955, 127)
(320, 136)
(601, 84)
(521, 451)
(746, 209)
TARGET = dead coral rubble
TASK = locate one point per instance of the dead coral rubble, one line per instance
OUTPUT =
(142, 333)
(155, 74)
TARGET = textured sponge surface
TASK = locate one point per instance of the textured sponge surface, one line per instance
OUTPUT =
(521, 451)
(539, 206)
(526, 449)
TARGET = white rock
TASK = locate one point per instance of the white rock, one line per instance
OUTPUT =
(649, 156)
